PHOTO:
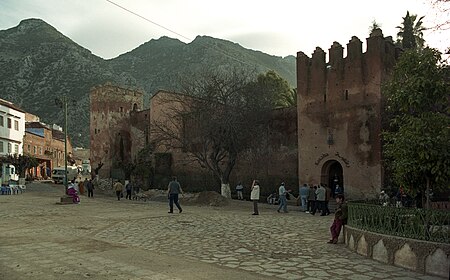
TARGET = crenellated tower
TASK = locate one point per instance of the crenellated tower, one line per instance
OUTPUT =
(114, 115)
(339, 113)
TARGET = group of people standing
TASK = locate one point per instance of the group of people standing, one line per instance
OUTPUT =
(315, 198)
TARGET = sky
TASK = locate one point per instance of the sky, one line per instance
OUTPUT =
(280, 28)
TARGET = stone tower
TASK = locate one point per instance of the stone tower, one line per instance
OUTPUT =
(111, 110)
(339, 114)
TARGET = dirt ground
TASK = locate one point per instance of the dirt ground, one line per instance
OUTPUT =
(103, 238)
(43, 240)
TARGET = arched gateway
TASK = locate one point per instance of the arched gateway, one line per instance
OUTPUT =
(332, 174)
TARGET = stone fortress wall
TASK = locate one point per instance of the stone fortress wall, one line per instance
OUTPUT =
(339, 113)
(421, 256)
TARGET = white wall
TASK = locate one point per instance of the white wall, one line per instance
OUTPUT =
(14, 135)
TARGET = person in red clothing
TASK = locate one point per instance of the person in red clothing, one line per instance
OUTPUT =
(340, 218)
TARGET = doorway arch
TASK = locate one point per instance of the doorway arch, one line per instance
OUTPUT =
(332, 174)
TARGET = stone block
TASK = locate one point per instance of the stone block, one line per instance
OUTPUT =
(362, 246)
(380, 252)
(351, 242)
(438, 263)
(405, 257)
(66, 200)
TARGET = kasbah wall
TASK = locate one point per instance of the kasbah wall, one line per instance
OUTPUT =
(336, 127)
(339, 114)
(271, 163)
(276, 162)
(117, 126)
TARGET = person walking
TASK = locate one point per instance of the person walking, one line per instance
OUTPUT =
(173, 190)
(135, 190)
(128, 188)
(283, 201)
(254, 196)
(340, 218)
(118, 187)
(239, 190)
(90, 188)
(303, 191)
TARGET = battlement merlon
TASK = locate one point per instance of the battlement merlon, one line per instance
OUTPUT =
(357, 68)
(376, 45)
(354, 49)
(336, 52)
(375, 42)
(303, 62)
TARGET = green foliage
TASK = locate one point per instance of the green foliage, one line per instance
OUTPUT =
(418, 84)
(410, 35)
(417, 142)
(420, 148)
(271, 90)
(288, 99)
(422, 224)
(373, 26)
(21, 162)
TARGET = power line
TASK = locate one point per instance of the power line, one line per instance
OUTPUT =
(146, 19)
(181, 35)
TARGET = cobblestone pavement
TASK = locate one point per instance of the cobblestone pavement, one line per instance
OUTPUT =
(106, 239)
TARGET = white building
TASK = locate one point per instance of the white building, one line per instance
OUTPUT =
(12, 128)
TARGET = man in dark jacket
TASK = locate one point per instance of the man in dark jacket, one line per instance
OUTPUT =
(173, 190)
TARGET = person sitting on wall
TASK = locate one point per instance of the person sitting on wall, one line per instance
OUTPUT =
(340, 218)
(72, 192)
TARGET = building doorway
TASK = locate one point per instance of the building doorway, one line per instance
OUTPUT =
(332, 175)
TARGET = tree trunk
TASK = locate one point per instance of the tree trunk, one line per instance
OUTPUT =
(427, 213)
(427, 204)
(225, 190)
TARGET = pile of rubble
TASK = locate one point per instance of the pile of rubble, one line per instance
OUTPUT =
(206, 198)
(105, 185)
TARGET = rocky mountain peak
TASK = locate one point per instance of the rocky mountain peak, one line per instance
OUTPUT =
(39, 64)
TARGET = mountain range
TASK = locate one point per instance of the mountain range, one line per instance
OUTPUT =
(38, 65)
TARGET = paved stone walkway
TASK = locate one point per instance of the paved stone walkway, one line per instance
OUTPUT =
(105, 239)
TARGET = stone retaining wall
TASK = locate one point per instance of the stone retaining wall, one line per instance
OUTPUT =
(421, 256)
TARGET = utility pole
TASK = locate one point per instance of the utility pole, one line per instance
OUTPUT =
(62, 103)
(65, 143)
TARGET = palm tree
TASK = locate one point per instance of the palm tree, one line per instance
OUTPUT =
(410, 35)
(288, 99)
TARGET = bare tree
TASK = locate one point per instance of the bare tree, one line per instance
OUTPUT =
(441, 9)
(219, 116)
(442, 13)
